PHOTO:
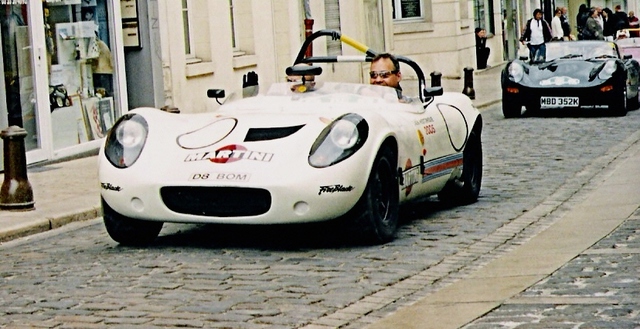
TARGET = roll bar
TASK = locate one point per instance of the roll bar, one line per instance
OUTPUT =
(369, 54)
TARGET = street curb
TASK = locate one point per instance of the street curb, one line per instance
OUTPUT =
(47, 224)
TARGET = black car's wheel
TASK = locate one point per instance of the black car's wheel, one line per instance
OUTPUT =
(375, 216)
(466, 189)
(620, 106)
(511, 109)
(129, 231)
(633, 103)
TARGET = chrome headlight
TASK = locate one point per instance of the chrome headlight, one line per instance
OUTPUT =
(338, 141)
(516, 72)
(608, 70)
(126, 140)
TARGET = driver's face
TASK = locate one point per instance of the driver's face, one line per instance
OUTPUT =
(389, 79)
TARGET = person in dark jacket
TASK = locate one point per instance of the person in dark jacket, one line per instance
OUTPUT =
(612, 23)
(536, 34)
(482, 51)
(581, 20)
(592, 30)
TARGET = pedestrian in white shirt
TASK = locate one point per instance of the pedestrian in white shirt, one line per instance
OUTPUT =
(557, 33)
(537, 32)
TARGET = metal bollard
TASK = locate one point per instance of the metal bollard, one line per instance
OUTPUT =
(436, 79)
(16, 192)
(468, 83)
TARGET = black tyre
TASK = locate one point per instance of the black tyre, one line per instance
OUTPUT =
(633, 103)
(466, 189)
(129, 231)
(375, 216)
(511, 109)
(620, 107)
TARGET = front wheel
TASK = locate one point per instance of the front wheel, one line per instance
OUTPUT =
(129, 231)
(466, 189)
(511, 109)
(376, 214)
(620, 108)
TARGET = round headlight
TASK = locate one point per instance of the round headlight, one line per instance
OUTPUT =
(125, 140)
(344, 134)
(130, 133)
(516, 72)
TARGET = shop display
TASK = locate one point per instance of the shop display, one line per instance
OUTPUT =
(81, 71)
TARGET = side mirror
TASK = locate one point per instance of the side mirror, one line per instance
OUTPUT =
(627, 56)
(215, 93)
(433, 91)
(523, 58)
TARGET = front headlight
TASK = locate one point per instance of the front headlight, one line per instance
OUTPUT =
(126, 140)
(338, 141)
(608, 70)
(516, 72)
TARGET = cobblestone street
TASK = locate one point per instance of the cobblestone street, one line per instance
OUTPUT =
(310, 277)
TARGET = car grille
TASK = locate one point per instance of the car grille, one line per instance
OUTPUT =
(216, 201)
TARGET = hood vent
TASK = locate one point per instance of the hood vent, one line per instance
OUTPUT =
(265, 134)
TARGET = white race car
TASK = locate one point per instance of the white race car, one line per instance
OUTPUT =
(297, 153)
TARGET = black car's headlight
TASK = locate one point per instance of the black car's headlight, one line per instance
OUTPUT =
(126, 140)
(516, 72)
(339, 140)
(607, 71)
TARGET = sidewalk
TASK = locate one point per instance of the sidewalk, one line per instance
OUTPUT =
(69, 191)
(613, 200)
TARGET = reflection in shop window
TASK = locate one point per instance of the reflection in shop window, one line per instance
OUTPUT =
(81, 70)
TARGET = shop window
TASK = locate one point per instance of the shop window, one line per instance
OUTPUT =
(81, 70)
(412, 16)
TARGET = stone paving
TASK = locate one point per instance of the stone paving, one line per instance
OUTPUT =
(309, 277)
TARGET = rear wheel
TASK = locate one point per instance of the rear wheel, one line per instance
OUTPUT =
(376, 215)
(129, 231)
(466, 189)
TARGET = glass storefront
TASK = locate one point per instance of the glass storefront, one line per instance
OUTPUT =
(81, 71)
(61, 77)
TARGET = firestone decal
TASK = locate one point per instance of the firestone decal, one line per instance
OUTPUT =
(230, 153)
(108, 186)
(335, 188)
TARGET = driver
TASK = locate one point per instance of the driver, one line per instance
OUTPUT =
(385, 71)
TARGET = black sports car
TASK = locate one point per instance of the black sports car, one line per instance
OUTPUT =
(581, 75)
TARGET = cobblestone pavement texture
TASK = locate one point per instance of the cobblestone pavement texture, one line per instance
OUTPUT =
(208, 276)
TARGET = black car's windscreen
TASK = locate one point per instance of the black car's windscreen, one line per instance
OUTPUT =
(579, 49)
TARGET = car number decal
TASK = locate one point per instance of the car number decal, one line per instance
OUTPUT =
(549, 102)
(220, 176)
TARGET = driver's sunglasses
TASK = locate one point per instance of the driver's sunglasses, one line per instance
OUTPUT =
(383, 74)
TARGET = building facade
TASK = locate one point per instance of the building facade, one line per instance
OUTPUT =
(64, 73)
(194, 45)
(72, 67)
